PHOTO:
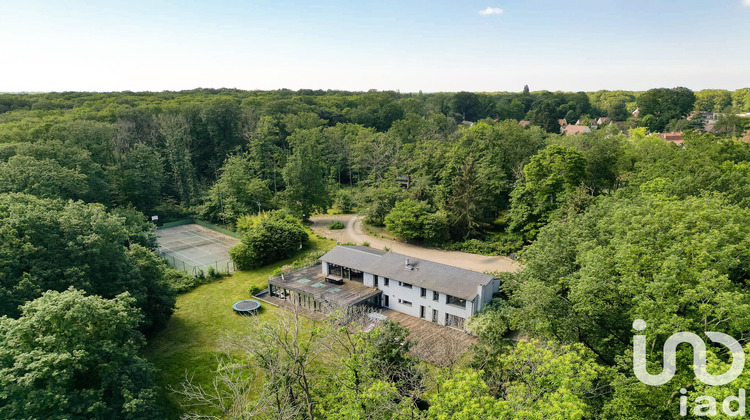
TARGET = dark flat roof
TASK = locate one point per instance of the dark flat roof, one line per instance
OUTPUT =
(442, 278)
(311, 281)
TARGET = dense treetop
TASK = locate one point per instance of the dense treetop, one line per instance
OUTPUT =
(610, 226)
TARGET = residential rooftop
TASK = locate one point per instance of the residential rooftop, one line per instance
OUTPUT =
(431, 275)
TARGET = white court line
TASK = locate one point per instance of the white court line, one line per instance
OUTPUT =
(188, 246)
(212, 239)
(184, 258)
(192, 234)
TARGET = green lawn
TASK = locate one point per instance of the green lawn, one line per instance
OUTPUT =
(190, 341)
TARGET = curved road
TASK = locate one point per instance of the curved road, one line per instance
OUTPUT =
(353, 233)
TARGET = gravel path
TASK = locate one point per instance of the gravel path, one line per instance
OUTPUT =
(354, 233)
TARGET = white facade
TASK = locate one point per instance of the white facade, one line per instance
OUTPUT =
(427, 304)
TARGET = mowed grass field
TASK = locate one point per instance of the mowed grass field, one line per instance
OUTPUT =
(190, 343)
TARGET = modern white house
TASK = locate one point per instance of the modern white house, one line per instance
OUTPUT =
(353, 275)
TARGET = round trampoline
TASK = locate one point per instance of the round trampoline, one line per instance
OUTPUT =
(247, 307)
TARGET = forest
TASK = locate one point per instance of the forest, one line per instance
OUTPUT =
(609, 227)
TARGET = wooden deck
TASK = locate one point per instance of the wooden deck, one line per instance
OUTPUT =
(312, 282)
(436, 344)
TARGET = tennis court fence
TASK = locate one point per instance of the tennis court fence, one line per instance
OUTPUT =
(223, 266)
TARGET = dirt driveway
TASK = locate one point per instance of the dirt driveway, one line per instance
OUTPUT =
(353, 233)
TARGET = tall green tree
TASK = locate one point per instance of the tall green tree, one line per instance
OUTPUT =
(678, 264)
(237, 192)
(53, 245)
(139, 178)
(43, 178)
(175, 132)
(665, 105)
(69, 355)
(306, 186)
(549, 179)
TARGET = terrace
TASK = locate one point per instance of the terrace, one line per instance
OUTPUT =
(311, 288)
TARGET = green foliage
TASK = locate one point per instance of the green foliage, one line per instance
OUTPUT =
(307, 190)
(344, 201)
(543, 382)
(549, 179)
(181, 282)
(45, 178)
(52, 245)
(139, 178)
(712, 100)
(236, 193)
(503, 246)
(411, 219)
(587, 278)
(382, 200)
(274, 238)
(731, 125)
(465, 396)
(660, 106)
(336, 225)
(308, 260)
(74, 356)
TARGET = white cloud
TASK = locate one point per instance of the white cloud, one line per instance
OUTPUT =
(497, 11)
(746, 3)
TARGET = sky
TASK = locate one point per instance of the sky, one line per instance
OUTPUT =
(443, 45)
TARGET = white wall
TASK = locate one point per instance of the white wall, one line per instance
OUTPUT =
(395, 292)
(485, 294)
(369, 280)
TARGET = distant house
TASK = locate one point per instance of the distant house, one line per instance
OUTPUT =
(602, 120)
(674, 138)
(404, 181)
(637, 112)
(356, 275)
(576, 129)
(563, 122)
(524, 123)
(591, 123)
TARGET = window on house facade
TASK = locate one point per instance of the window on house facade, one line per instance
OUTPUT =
(422, 292)
(452, 300)
(454, 321)
(435, 296)
(404, 302)
(385, 281)
(406, 285)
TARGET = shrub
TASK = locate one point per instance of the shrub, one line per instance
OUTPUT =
(272, 239)
(502, 246)
(306, 261)
(335, 225)
(367, 244)
(254, 290)
(344, 201)
(412, 219)
(214, 274)
(181, 282)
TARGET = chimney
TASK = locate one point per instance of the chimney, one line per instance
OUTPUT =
(406, 265)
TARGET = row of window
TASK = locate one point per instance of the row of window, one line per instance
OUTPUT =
(450, 320)
(450, 300)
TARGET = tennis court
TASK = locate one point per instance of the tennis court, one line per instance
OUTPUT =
(193, 248)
